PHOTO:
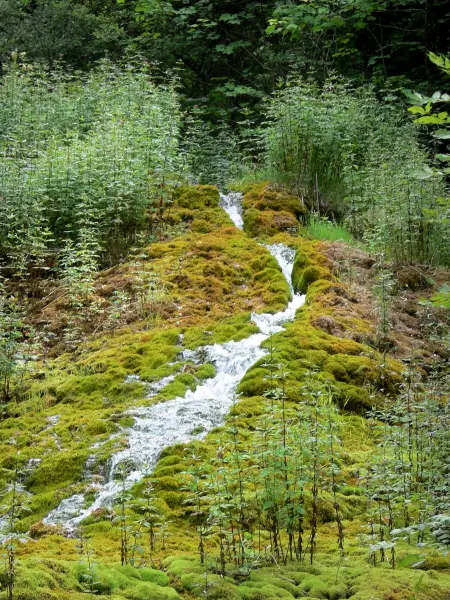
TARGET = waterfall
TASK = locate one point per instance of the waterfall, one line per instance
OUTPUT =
(190, 417)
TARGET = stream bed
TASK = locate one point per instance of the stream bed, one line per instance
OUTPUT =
(196, 413)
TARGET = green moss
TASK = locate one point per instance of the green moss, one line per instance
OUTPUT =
(59, 468)
(144, 591)
(135, 584)
(310, 275)
(205, 371)
(263, 590)
(268, 223)
(197, 196)
(310, 265)
(233, 328)
(254, 382)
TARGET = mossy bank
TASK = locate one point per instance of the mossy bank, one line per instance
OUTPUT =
(209, 277)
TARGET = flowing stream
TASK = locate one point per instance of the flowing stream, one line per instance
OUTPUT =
(194, 415)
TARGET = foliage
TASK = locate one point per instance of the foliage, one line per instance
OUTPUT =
(51, 30)
(16, 500)
(369, 36)
(78, 172)
(16, 348)
(321, 228)
(407, 482)
(261, 493)
(430, 111)
(349, 155)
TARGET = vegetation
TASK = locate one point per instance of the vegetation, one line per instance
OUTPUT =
(341, 150)
(316, 464)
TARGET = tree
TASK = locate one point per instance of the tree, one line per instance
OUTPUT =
(51, 30)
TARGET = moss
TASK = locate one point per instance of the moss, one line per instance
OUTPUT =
(266, 577)
(310, 275)
(263, 590)
(197, 196)
(144, 591)
(205, 371)
(135, 584)
(310, 265)
(233, 328)
(266, 197)
(62, 467)
(268, 223)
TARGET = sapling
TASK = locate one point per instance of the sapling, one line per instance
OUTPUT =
(195, 486)
(163, 531)
(86, 553)
(149, 515)
(383, 290)
(14, 345)
(16, 500)
(218, 512)
(315, 453)
(123, 498)
(334, 469)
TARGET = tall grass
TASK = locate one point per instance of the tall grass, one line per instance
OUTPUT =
(84, 160)
(320, 228)
(341, 147)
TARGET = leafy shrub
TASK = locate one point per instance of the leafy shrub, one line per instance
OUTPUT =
(354, 157)
(84, 158)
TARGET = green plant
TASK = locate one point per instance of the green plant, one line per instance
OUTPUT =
(383, 291)
(93, 180)
(149, 517)
(16, 500)
(352, 157)
(124, 497)
(86, 553)
(16, 347)
(321, 228)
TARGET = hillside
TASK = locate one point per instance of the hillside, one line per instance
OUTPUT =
(137, 436)
(224, 300)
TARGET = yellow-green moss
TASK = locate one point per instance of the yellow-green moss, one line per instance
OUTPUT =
(214, 277)
(310, 275)
(197, 196)
(268, 223)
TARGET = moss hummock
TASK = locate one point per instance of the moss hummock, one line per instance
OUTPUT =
(269, 209)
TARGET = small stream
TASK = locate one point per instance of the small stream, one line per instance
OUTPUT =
(198, 412)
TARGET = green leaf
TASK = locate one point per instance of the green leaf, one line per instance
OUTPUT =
(430, 120)
(416, 110)
(229, 18)
(442, 134)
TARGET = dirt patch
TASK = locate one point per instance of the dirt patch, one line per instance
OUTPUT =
(416, 328)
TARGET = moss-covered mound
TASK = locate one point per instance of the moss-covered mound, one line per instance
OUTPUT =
(197, 196)
(204, 284)
(49, 579)
(269, 209)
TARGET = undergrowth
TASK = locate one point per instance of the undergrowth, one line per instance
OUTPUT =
(350, 156)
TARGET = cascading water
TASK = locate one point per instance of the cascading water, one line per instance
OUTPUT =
(194, 415)
(232, 204)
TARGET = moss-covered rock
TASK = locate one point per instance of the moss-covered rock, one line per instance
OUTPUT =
(310, 275)
(268, 223)
(270, 209)
(197, 196)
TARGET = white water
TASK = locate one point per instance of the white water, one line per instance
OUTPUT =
(194, 415)
(232, 203)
